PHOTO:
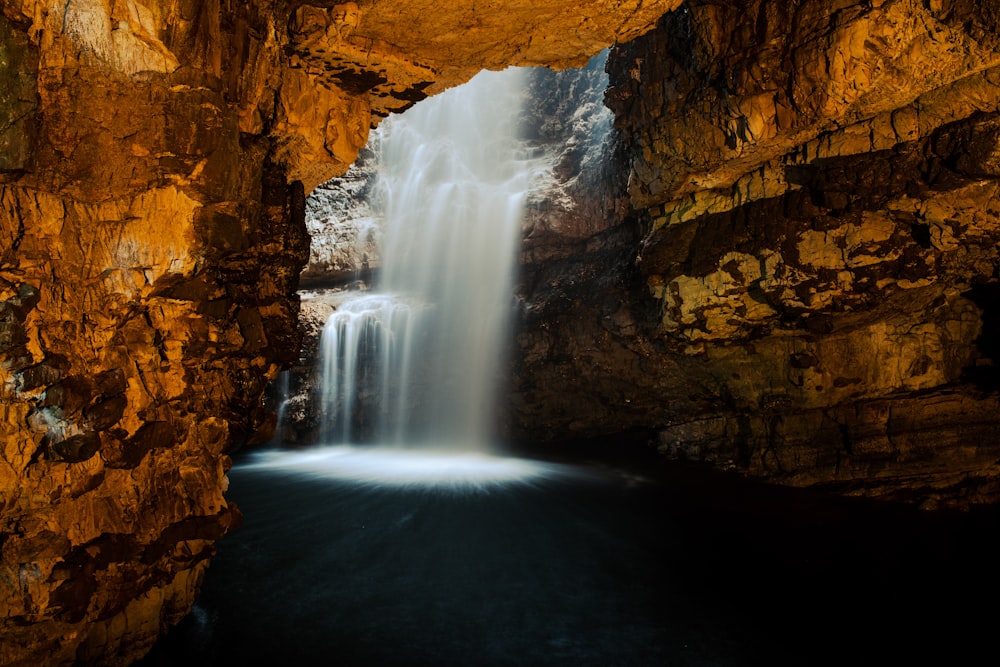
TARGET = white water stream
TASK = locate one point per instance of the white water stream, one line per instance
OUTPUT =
(409, 370)
(416, 361)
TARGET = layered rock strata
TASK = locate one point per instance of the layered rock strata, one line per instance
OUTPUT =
(154, 160)
(814, 297)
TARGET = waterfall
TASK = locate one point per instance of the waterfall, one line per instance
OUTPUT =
(417, 359)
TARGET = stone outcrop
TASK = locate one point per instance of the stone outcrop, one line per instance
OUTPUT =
(345, 227)
(580, 191)
(813, 297)
(150, 257)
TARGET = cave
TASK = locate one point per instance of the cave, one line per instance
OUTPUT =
(768, 306)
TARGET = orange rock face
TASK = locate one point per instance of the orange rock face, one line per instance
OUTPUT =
(386, 56)
(154, 157)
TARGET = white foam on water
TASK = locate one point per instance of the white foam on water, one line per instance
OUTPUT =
(404, 467)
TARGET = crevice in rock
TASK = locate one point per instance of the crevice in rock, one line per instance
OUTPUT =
(984, 372)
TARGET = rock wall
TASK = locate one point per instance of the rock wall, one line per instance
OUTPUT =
(814, 294)
(150, 257)
(154, 160)
(345, 227)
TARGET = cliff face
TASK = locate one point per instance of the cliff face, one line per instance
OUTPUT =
(813, 299)
(150, 257)
(154, 159)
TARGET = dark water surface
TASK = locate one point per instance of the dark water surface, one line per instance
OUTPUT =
(612, 569)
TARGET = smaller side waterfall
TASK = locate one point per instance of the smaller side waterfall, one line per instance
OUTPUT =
(417, 360)
(365, 359)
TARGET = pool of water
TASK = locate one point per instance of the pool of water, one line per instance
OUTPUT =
(603, 566)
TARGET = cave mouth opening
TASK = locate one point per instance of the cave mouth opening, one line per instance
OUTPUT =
(409, 294)
(408, 358)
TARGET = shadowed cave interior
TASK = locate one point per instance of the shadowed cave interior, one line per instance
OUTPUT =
(741, 408)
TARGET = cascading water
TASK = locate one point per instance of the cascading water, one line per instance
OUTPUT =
(414, 363)
(417, 360)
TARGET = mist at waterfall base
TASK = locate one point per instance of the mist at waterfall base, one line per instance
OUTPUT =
(448, 554)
